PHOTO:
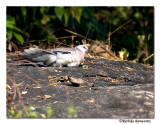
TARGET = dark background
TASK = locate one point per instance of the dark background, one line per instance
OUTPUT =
(48, 23)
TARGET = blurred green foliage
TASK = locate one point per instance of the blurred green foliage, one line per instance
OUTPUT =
(48, 23)
(13, 30)
(30, 112)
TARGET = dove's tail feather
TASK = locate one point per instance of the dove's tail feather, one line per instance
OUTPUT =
(36, 55)
(28, 52)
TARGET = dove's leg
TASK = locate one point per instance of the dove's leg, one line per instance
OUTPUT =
(57, 65)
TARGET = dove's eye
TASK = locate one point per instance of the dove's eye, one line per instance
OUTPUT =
(84, 47)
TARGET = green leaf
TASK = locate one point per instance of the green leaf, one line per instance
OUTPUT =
(34, 12)
(138, 15)
(24, 13)
(42, 10)
(50, 112)
(45, 19)
(11, 24)
(77, 13)
(59, 12)
(100, 28)
(71, 111)
(66, 16)
(88, 13)
(9, 34)
(14, 28)
(18, 37)
(10, 20)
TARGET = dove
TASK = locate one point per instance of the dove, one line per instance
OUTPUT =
(57, 57)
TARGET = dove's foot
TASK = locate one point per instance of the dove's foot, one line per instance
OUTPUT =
(57, 65)
(72, 64)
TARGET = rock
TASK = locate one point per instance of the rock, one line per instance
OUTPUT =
(121, 89)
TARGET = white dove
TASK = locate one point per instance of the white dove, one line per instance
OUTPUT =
(58, 57)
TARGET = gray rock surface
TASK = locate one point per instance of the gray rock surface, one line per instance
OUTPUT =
(121, 89)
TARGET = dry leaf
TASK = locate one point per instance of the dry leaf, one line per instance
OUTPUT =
(43, 115)
(38, 96)
(85, 67)
(117, 80)
(26, 87)
(10, 47)
(53, 84)
(44, 68)
(55, 102)
(24, 92)
(47, 96)
(8, 87)
(76, 90)
(108, 90)
(92, 62)
(20, 84)
(83, 62)
(49, 77)
(114, 81)
(58, 71)
(130, 69)
(59, 82)
(91, 101)
(62, 78)
(37, 87)
(9, 60)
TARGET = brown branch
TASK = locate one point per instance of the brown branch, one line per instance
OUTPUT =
(78, 35)
(34, 41)
(110, 33)
(12, 44)
(148, 57)
(66, 37)
(24, 75)
(32, 80)
(30, 62)
(67, 96)
(16, 89)
(120, 27)
(109, 52)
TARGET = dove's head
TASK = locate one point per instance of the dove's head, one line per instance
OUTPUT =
(81, 48)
